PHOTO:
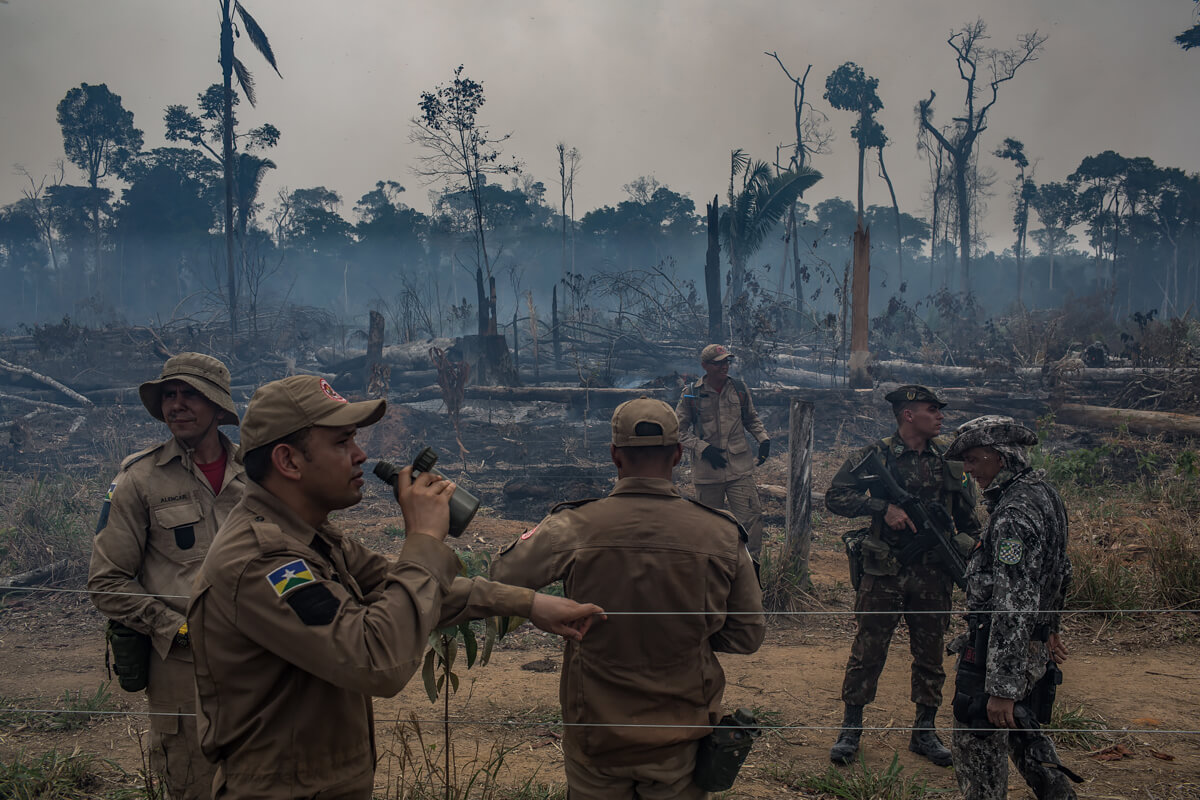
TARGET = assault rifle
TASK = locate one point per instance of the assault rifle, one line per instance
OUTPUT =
(935, 528)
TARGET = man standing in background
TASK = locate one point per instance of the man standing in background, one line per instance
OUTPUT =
(158, 520)
(715, 413)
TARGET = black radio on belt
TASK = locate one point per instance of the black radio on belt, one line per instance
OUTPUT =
(463, 504)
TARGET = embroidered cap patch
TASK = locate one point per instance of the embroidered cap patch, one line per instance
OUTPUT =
(1010, 551)
(289, 576)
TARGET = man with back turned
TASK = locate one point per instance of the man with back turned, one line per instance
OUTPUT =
(642, 689)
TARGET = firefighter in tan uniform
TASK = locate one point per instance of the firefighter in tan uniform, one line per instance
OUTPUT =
(715, 414)
(295, 625)
(157, 523)
(643, 548)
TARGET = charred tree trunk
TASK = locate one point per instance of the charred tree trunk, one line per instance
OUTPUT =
(712, 274)
(555, 334)
(481, 299)
(374, 350)
(798, 542)
(860, 317)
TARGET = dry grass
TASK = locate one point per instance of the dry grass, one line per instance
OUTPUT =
(45, 519)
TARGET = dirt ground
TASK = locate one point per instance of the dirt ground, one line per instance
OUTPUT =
(1129, 675)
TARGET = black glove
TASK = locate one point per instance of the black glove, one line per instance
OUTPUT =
(764, 450)
(715, 456)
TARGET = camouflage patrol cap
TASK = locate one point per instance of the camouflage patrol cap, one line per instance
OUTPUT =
(282, 407)
(990, 430)
(203, 373)
(644, 409)
(715, 353)
(912, 393)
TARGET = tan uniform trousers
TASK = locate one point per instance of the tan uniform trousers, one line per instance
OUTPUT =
(175, 753)
(742, 494)
(668, 778)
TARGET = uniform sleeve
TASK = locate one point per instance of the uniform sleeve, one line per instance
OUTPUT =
(531, 560)
(368, 567)
(114, 573)
(1018, 565)
(755, 427)
(847, 497)
(745, 626)
(372, 648)
(689, 437)
(475, 598)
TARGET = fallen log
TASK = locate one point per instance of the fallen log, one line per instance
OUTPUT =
(38, 403)
(1149, 422)
(34, 577)
(37, 376)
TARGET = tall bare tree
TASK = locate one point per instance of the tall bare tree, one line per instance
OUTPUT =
(980, 93)
(568, 166)
(461, 153)
(813, 136)
(230, 65)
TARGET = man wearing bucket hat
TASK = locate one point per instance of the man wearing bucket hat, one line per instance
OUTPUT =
(1017, 583)
(643, 548)
(158, 520)
(715, 414)
(295, 625)
(889, 589)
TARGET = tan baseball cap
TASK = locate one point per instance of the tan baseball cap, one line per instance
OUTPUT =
(285, 406)
(203, 373)
(644, 409)
(713, 353)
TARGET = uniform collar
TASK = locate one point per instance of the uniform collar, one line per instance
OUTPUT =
(1002, 483)
(262, 503)
(900, 447)
(645, 486)
(173, 448)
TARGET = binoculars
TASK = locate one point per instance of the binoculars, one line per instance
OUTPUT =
(463, 504)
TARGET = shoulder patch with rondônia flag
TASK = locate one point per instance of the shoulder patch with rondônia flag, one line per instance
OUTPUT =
(290, 576)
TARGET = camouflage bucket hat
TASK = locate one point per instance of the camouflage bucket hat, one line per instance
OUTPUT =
(912, 393)
(203, 373)
(644, 409)
(285, 406)
(991, 430)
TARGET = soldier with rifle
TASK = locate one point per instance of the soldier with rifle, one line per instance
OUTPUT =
(1017, 583)
(923, 523)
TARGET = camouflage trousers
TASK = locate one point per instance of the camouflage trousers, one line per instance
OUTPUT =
(919, 588)
(981, 764)
(744, 503)
(175, 755)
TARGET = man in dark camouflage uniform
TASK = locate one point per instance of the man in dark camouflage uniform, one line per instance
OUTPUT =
(1018, 579)
(917, 459)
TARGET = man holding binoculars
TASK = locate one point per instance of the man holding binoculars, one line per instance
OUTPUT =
(295, 626)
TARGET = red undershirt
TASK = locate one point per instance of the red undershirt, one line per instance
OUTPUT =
(215, 472)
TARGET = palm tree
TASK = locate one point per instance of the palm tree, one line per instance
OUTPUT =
(756, 209)
(230, 64)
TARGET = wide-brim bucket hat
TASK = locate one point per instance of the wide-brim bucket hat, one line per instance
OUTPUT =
(203, 373)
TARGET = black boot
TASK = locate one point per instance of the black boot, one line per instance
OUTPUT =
(846, 746)
(925, 741)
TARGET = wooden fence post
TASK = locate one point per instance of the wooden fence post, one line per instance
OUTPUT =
(798, 537)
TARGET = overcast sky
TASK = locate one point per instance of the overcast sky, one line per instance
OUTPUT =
(640, 87)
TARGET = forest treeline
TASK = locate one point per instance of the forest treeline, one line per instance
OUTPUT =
(121, 232)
